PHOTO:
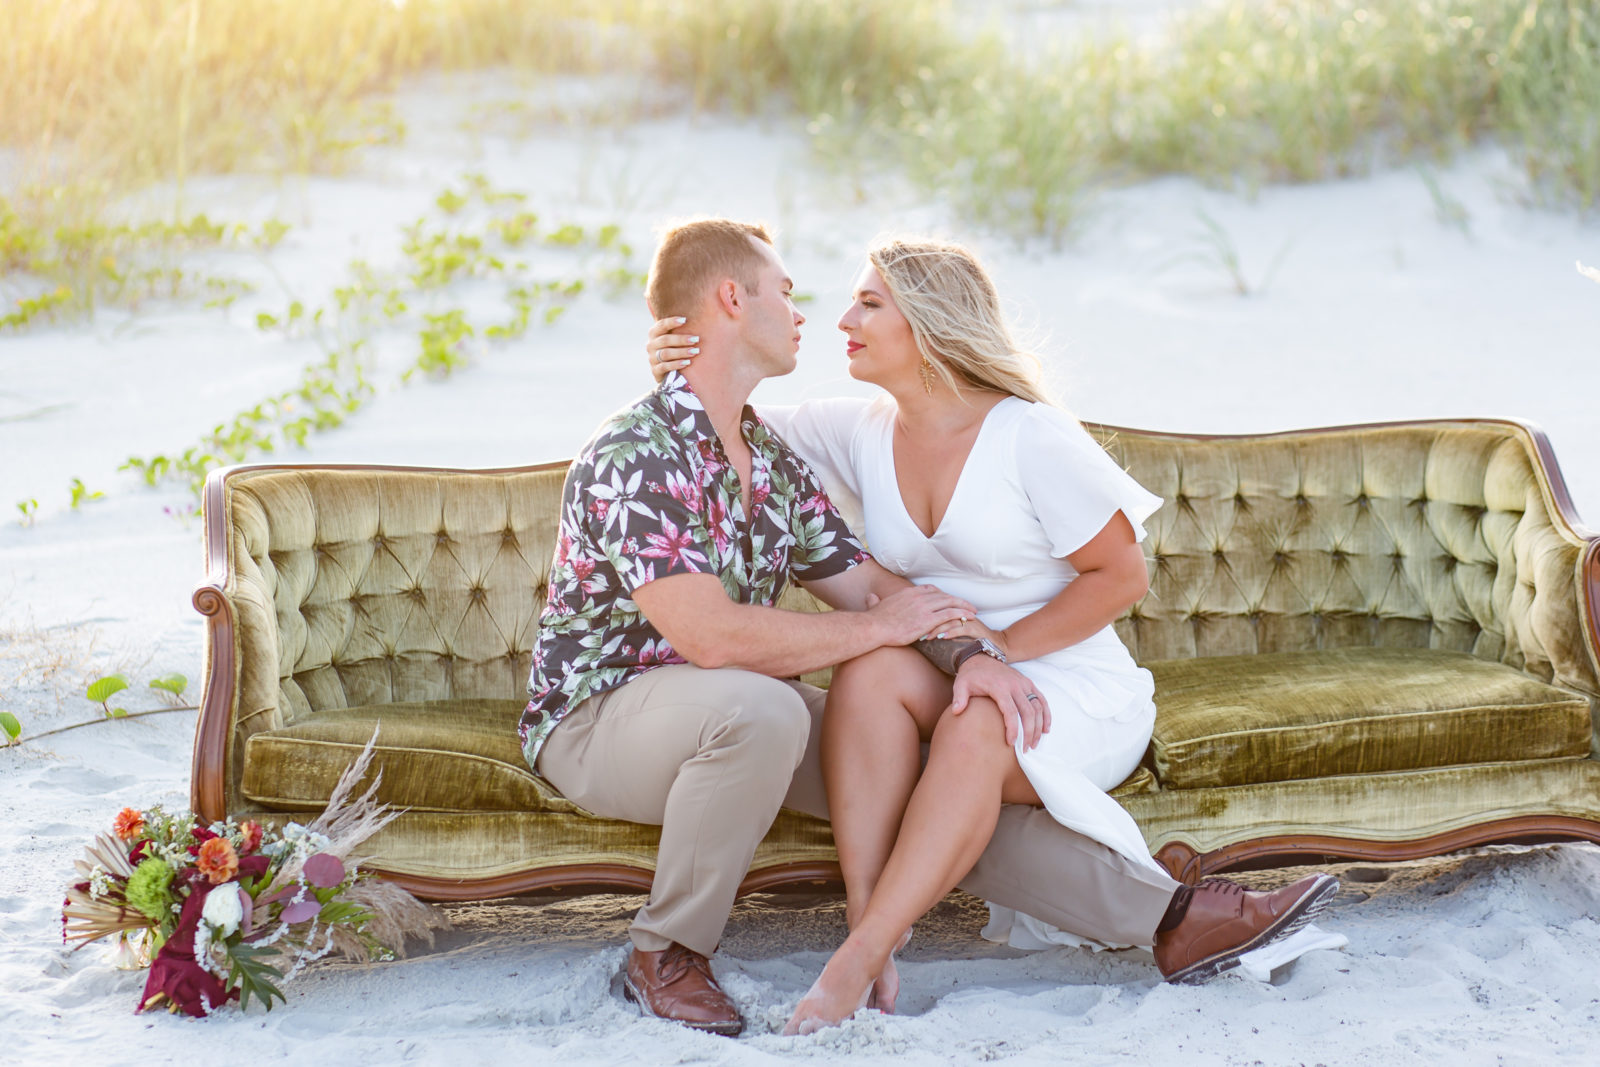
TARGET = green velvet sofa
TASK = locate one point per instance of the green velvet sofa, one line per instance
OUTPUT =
(1369, 642)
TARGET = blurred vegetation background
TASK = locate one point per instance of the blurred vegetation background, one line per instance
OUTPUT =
(102, 97)
(110, 108)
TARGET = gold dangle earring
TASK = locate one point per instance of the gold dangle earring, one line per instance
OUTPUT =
(927, 376)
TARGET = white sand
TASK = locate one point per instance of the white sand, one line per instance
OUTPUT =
(1378, 311)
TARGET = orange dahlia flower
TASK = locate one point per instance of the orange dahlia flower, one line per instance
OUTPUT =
(217, 860)
(128, 824)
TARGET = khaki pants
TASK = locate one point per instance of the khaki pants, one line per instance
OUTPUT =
(711, 755)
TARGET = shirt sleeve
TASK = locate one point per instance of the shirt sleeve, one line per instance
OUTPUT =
(824, 543)
(645, 519)
(822, 432)
(1075, 487)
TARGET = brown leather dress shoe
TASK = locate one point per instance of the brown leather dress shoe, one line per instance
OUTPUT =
(1224, 921)
(677, 984)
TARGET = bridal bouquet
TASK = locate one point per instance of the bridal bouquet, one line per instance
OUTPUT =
(233, 909)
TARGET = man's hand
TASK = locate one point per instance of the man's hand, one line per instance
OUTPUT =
(909, 613)
(1022, 708)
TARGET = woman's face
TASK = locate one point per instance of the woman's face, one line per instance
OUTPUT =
(880, 345)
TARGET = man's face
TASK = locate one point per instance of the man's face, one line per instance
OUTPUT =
(771, 327)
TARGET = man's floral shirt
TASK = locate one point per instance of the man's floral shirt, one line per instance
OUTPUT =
(654, 494)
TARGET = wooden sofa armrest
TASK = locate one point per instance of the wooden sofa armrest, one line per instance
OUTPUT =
(216, 599)
(208, 766)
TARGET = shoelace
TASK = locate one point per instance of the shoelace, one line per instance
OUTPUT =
(677, 961)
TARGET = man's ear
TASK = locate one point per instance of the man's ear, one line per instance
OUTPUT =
(729, 298)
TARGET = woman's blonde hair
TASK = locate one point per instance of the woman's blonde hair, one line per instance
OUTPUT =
(950, 301)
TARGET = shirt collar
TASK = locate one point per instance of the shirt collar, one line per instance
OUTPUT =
(680, 398)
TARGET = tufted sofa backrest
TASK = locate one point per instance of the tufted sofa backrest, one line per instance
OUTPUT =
(367, 586)
(1430, 535)
(388, 585)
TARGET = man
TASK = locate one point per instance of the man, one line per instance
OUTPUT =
(662, 678)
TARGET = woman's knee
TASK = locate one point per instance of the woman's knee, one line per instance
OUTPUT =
(870, 671)
(976, 737)
(887, 681)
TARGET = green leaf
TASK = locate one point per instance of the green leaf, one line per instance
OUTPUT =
(102, 689)
(116, 713)
(254, 977)
(173, 683)
(9, 723)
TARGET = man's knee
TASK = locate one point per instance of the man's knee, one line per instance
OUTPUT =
(759, 713)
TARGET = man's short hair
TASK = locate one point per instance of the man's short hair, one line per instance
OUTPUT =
(694, 256)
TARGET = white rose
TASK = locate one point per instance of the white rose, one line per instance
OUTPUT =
(223, 908)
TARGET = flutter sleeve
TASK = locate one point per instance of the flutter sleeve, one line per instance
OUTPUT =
(1074, 486)
(823, 433)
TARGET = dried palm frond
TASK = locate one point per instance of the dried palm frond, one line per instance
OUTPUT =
(105, 852)
(86, 916)
(85, 919)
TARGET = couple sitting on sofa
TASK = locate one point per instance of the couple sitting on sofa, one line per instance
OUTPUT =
(1004, 544)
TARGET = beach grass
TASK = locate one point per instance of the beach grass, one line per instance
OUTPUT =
(1237, 93)
(105, 97)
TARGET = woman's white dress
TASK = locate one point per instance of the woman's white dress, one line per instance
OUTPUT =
(1035, 489)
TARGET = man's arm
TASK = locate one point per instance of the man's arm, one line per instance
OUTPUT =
(850, 590)
(694, 614)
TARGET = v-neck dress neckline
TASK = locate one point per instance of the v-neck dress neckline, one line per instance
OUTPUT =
(961, 479)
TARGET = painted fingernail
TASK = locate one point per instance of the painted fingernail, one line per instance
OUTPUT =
(694, 351)
(680, 320)
(695, 338)
(941, 637)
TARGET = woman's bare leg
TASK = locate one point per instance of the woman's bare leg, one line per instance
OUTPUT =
(881, 706)
(947, 824)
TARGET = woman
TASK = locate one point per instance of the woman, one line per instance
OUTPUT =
(970, 479)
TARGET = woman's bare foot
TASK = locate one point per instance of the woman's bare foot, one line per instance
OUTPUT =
(886, 987)
(838, 993)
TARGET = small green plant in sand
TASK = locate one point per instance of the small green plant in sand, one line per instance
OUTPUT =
(80, 494)
(101, 690)
(11, 726)
(444, 338)
(29, 509)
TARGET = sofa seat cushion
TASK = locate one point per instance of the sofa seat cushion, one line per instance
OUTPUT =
(440, 755)
(1235, 720)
